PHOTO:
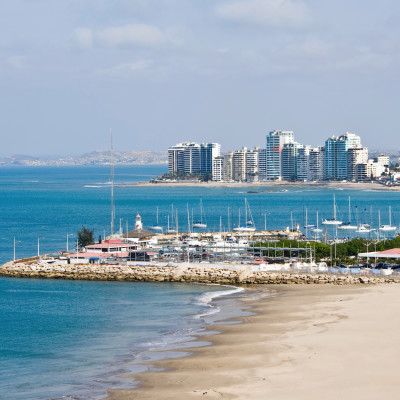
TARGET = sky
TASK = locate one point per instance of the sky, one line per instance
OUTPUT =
(158, 72)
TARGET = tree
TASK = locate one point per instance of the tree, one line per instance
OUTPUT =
(85, 237)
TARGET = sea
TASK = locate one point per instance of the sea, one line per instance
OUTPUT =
(72, 339)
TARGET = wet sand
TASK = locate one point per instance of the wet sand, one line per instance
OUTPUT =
(308, 342)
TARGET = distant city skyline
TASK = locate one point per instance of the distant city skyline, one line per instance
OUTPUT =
(158, 72)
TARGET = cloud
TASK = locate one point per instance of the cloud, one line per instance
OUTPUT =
(125, 68)
(83, 37)
(128, 35)
(275, 13)
(17, 62)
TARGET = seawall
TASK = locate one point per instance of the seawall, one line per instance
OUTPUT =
(194, 273)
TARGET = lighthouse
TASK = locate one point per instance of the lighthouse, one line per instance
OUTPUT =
(138, 223)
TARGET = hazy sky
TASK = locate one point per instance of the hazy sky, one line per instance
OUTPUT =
(162, 71)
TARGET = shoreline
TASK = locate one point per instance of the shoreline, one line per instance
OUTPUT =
(270, 184)
(309, 342)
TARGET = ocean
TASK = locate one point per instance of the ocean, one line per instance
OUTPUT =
(67, 339)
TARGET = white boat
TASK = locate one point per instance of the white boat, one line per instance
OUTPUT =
(332, 221)
(168, 229)
(364, 228)
(246, 228)
(388, 228)
(200, 224)
(317, 229)
(347, 225)
(156, 227)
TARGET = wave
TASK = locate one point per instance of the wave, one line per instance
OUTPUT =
(206, 299)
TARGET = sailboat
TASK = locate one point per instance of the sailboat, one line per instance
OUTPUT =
(363, 228)
(388, 228)
(200, 224)
(249, 227)
(156, 227)
(347, 225)
(332, 221)
(317, 230)
(171, 230)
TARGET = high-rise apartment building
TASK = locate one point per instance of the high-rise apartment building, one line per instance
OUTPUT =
(303, 163)
(289, 160)
(336, 154)
(252, 165)
(317, 164)
(239, 165)
(355, 156)
(275, 142)
(208, 151)
(192, 158)
(262, 164)
(218, 169)
(227, 174)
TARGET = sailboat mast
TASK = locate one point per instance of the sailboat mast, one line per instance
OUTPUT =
(112, 181)
(334, 208)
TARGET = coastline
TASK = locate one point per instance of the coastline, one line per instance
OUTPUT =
(270, 184)
(309, 342)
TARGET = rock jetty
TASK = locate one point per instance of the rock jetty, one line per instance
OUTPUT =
(193, 273)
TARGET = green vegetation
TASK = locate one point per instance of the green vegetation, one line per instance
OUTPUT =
(182, 176)
(85, 237)
(346, 253)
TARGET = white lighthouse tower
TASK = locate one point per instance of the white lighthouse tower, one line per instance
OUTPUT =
(138, 223)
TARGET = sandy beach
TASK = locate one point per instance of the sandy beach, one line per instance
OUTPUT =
(271, 185)
(306, 342)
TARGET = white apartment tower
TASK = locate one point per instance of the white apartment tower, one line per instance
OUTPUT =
(355, 156)
(275, 142)
(218, 169)
(239, 173)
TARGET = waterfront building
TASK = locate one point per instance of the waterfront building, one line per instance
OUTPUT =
(289, 160)
(208, 151)
(303, 163)
(317, 164)
(227, 174)
(336, 154)
(275, 141)
(262, 164)
(239, 165)
(192, 158)
(252, 165)
(218, 169)
(175, 158)
(355, 156)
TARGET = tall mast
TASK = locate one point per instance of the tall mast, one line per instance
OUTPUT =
(112, 182)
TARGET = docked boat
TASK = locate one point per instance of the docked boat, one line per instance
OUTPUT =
(249, 227)
(332, 221)
(156, 227)
(348, 225)
(200, 224)
(387, 228)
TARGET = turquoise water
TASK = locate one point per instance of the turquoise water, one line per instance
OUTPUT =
(46, 203)
(72, 338)
(61, 338)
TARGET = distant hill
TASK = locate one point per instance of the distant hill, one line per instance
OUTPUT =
(92, 158)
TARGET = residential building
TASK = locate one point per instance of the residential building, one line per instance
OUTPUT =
(239, 165)
(262, 164)
(275, 141)
(175, 158)
(192, 158)
(252, 165)
(303, 163)
(317, 164)
(336, 154)
(289, 160)
(208, 151)
(218, 169)
(355, 156)
(227, 174)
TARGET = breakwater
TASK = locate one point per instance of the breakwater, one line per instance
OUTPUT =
(195, 273)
